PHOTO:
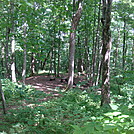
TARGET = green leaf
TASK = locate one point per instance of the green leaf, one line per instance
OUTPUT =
(113, 114)
(77, 129)
(30, 122)
(114, 107)
(109, 127)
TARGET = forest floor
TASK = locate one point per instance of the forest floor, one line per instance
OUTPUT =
(50, 85)
(43, 83)
(47, 84)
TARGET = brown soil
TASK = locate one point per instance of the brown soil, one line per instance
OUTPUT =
(46, 84)
(49, 84)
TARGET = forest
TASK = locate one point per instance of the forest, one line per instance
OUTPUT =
(66, 67)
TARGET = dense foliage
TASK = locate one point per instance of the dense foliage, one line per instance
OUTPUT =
(76, 112)
(35, 38)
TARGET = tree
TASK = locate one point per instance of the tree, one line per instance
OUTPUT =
(3, 98)
(106, 40)
(74, 24)
(13, 43)
(25, 55)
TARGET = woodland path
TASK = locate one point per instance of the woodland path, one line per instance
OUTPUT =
(48, 86)
(43, 83)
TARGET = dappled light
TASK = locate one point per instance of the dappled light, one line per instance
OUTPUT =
(66, 67)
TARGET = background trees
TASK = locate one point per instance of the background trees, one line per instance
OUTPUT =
(35, 41)
(35, 36)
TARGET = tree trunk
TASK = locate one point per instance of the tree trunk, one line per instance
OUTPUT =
(13, 60)
(106, 40)
(59, 49)
(86, 55)
(2, 59)
(3, 98)
(45, 60)
(79, 63)
(124, 46)
(7, 75)
(94, 49)
(32, 64)
(13, 44)
(132, 68)
(99, 47)
(51, 62)
(117, 47)
(75, 21)
(25, 56)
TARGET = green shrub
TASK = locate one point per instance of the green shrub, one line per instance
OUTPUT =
(16, 90)
(76, 112)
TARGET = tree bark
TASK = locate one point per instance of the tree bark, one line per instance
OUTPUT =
(2, 59)
(99, 47)
(132, 68)
(106, 40)
(79, 61)
(13, 45)
(124, 45)
(32, 64)
(59, 49)
(25, 56)
(45, 60)
(3, 98)
(51, 62)
(74, 24)
(94, 49)
(7, 75)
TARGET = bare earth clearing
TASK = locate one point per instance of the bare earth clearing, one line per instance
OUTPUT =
(48, 86)
(43, 83)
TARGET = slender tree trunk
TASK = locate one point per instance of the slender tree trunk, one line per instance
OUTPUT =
(54, 52)
(79, 64)
(54, 62)
(99, 48)
(25, 56)
(87, 56)
(45, 60)
(94, 49)
(13, 60)
(3, 98)
(32, 64)
(132, 68)
(116, 51)
(74, 24)
(59, 45)
(106, 39)
(2, 59)
(51, 62)
(7, 75)
(13, 45)
(124, 45)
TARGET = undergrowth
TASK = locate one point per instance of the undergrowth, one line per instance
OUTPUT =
(76, 112)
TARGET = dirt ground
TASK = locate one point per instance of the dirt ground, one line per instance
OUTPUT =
(46, 84)
(49, 84)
